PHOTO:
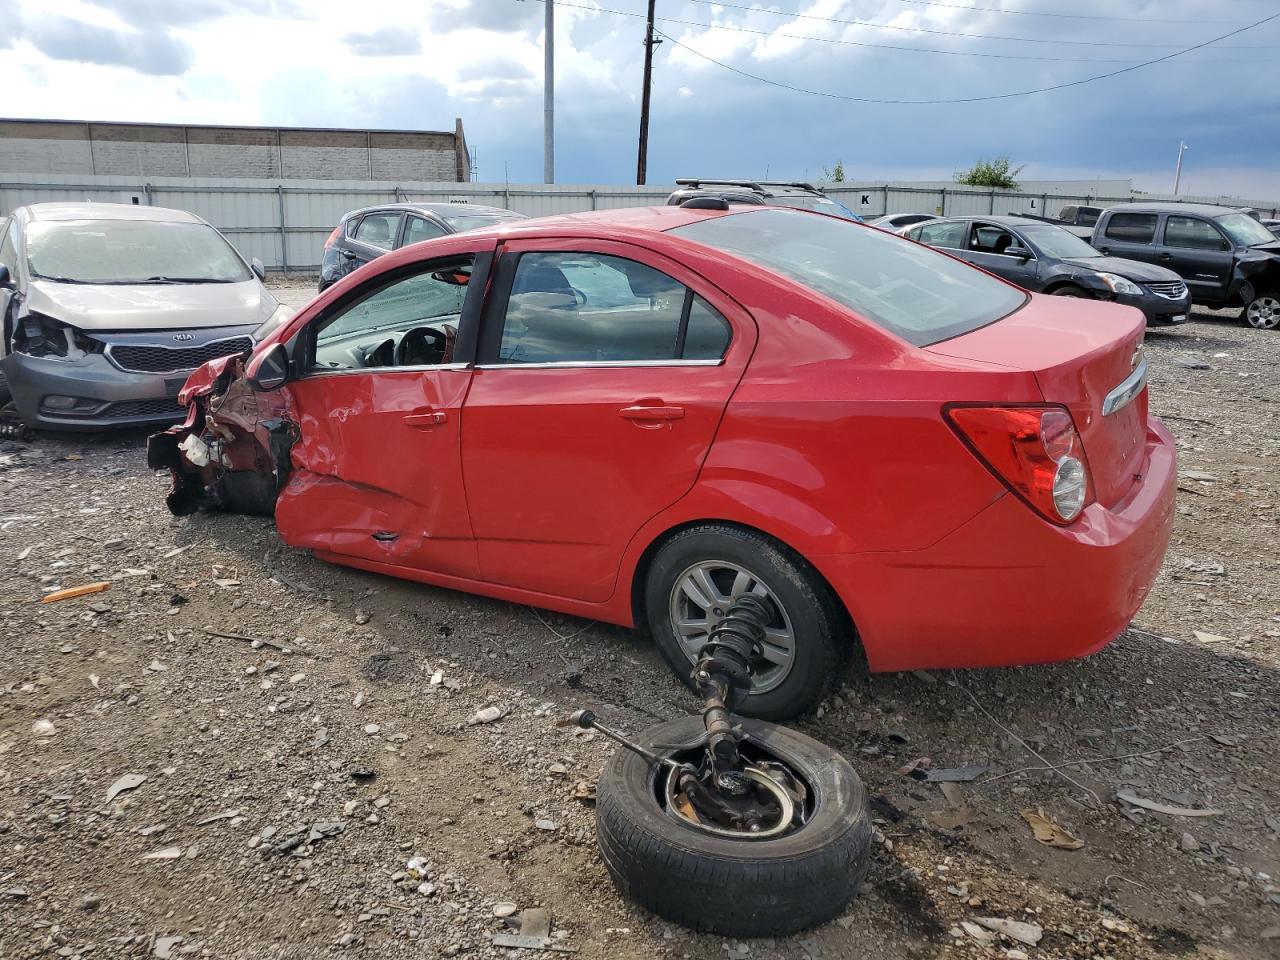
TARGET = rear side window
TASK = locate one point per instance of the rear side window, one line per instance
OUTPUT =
(942, 234)
(419, 229)
(1193, 234)
(378, 230)
(916, 293)
(594, 308)
(1132, 227)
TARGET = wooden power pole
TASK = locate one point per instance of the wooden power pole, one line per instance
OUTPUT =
(642, 161)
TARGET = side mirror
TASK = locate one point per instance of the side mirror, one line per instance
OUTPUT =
(272, 370)
(258, 269)
(6, 280)
(1017, 250)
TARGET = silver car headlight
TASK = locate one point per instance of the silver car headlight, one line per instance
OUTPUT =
(1119, 284)
(279, 317)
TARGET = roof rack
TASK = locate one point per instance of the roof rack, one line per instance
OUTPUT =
(798, 184)
(698, 182)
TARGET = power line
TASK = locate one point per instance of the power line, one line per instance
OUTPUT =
(871, 24)
(860, 43)
(995, 96)
(1012, 13)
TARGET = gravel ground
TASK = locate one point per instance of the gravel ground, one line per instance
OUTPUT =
(167, 792)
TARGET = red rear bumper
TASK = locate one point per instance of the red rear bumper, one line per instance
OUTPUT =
(1008, 588)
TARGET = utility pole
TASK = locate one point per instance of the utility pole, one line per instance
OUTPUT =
(642, 161)
(549, 95)
(1177, 173)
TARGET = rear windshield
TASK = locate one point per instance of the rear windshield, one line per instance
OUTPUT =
(131, 251)
(908, 289)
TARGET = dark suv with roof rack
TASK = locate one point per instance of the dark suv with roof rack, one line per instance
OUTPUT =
(777, 193)
(1226, 256)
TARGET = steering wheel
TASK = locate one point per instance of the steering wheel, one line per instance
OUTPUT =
(421, 347)
(383, 355)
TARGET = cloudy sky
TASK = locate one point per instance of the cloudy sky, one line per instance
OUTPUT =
(393, 63)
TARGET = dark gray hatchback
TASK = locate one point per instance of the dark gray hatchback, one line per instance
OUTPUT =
(1046, 258)
(366, 234)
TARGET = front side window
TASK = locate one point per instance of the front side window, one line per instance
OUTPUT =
(941, 234)
(1132, 227)
(1192, 234)
(408, 322)
(595, 308)
(378, 230)
(989, 239)
(131, 252)
(910, 290)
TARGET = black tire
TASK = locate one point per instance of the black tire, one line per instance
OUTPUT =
(822, 640)
(745, 888)
(1071, 290)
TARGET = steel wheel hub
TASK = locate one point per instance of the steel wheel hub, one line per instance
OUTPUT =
(1264, 313)
(703, 594)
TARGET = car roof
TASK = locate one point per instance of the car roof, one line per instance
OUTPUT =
(1198, 209)
(438, 209)
(108, 211)
(634, 221)
(1001, 220)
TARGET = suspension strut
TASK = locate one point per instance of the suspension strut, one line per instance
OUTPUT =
(722, 677)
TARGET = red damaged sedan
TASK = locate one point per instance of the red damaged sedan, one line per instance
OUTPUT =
(639, 415)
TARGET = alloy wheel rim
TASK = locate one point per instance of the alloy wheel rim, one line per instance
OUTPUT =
(1264, 313)
(700, 598)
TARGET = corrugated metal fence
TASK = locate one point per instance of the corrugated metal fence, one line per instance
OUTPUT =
(284, 223)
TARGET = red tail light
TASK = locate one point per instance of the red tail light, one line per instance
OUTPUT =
(1035, 451)
(333, 237)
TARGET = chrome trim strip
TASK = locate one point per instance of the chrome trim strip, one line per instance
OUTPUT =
(569, 364)
(164, 346)
(1129, 388)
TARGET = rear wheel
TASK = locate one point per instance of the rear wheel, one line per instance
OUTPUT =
(772, 883)
(1263, 311)
(694, 579)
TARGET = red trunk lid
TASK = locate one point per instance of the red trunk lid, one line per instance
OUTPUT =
(1079, 353)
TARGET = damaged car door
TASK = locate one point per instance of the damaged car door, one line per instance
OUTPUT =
(376, 464)
(603, 372)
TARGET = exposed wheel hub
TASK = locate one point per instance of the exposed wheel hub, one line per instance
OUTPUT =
(1264, 313)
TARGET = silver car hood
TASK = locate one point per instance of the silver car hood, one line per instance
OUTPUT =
(168, 306)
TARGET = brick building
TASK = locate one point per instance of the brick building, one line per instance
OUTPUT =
(162, 150)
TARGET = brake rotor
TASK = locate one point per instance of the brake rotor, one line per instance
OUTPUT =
(680, 806)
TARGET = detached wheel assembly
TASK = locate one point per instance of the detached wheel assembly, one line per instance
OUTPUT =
(795, 862)
(728, 825)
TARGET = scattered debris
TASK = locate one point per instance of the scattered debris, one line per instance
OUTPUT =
(168, 853)
(504, 909)
(130, 781)
(1028, 933)
(323, 830)
(1191, 364)
(1050, 833)
(1204, 637)
(43, 728)
(1200, 476)
(1128, 796)
(72, 592)
(488, 715)
(166, 948)
(225, 815)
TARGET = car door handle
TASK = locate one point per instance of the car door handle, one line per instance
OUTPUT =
(350, 255)
(647, 413)
(426, 420)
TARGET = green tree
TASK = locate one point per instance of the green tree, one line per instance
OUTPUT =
(995, 173)
(834, 174)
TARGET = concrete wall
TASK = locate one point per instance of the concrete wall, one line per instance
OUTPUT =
(155, 150)
(284, 222)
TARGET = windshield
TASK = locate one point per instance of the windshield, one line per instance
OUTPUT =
(474, 221)
(1244, 230)
(131, 251)
(821, 204)
(1055, 242)
(914, 292)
